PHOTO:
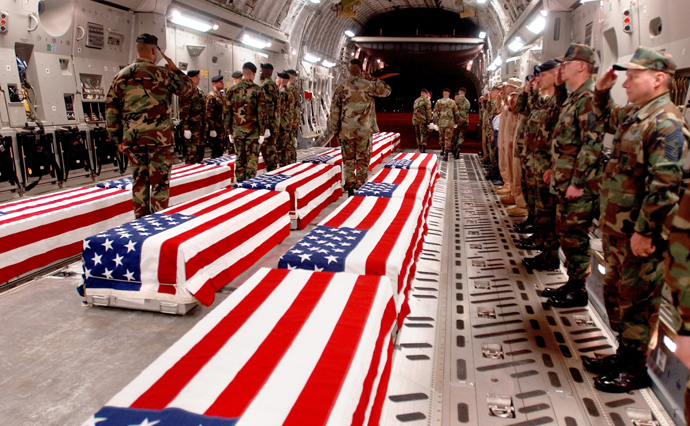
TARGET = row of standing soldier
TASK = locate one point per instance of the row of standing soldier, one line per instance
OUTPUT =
(248, 119)
(450, 116)
(568, 181)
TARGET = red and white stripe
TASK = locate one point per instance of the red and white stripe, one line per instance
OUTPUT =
(311, 188)
(231, 230)
(229, 161)
(37, 232)
(392, 242)
(419, 161)
(286, 348)
(412, 183)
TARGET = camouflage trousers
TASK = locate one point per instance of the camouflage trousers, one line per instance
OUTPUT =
(573, 220)
(545, 214)
(528, 184)
(493, 150)
(445, 137)
(194, 150)
(150, 178)
(268, 151)
(247, 161)
(632, 295)
(356, 157)
(421, 131)
(217, 145)
(291, 147)
(458, 138)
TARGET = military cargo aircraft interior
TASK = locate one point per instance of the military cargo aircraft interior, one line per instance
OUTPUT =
(344, 212)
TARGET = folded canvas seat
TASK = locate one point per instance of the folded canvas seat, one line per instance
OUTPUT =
(286, 348)
(311, 187)
(39, 231)
(365, 236)
(187, 181)
(169, 260)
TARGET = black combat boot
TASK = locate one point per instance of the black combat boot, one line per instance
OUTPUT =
(624, 380)
(445, 156)
(533, 242)
(575, 296)
(609, 364)
(544, 261)
(551, 291)
(350, 192)
(527, 222)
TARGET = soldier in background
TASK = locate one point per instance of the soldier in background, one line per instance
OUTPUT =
(446, 112)
(268, 148)
(192, 121)
(350, 121)
(296, 108)
(640, 191)
(246, 120)
(284, 116)
(215, 102)
(236, 77)
(138, 121)
(463, 113)
(421, 118)
(575, 173)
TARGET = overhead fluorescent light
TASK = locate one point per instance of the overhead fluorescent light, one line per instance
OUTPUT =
(481, 1)
(255, 42)
(177, 18)
(378, 60)
(513, 59)
(328, 64)
(352, 54)
(498, 61)
(588, 1)
(482, 34)
(471, 62)
(349, 33)
(263, 55)
(544, 12)
(315, 1)
(537, 25)
(311, 58)
(516, 44)
(536, 47)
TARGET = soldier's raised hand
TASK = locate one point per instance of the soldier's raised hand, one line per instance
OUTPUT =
(170, 64)
(607, 80)
(559, 76)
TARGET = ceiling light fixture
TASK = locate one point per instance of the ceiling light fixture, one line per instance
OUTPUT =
(498, 61)
(255, 42)
(311, 58)
(328, 64)
(537, 25)
(315, 1)
(516, 44)
(177, 18)
(482, 34)
(481, 1)
(349, 33)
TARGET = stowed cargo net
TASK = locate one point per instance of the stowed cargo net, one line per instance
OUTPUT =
(286, 348)
(186, 252)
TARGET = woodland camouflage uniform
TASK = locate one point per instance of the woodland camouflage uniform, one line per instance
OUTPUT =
(246, 119)
(640, 191)
(351, 121)
(463, 114)
(137, 118)
(446, 112)
(268, 148)
(192, 118)
(284, 113)
(526, 133)
(421, 118)
(214, 122)
(296, 109)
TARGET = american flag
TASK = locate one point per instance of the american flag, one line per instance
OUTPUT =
(381, 147)
(39, 231)
(229, 161)
(311, 187)
(187, 181)
(413, 161)
(396, 141)
(365, 235)
(190, 250)
(400, 183)
(286, 348)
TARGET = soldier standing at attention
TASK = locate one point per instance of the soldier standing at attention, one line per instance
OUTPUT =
(677, 276)
(421, 118)
(639, 191)
(246, 120)
(447, 118)
(351, 111)
(296, 108)
(268, 148)
(214, 118)
(284, 116)
(138, 121)
(463, 113)
(192, 121)
(575, 173)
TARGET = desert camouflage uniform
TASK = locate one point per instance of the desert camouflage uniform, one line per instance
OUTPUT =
(640, 190)
(421, 118)
(137, 117)
(284, 115)
(351, 121)
(214, 121)
(576, 161)
(296, 109)
(446, 113)
(463, 114)
(246, 119)
(192, 119)
(677, 272)
(268, 148)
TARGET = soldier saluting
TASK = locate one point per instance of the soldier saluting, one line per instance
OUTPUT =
(192, 121)
(138, 121)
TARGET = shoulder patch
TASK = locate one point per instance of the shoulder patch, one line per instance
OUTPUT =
(674, 142)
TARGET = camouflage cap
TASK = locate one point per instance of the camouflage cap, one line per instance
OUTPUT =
(514, 82)
(236, 74)
(217, 78)
(646, 58)
(579, 52)
(147, 38)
